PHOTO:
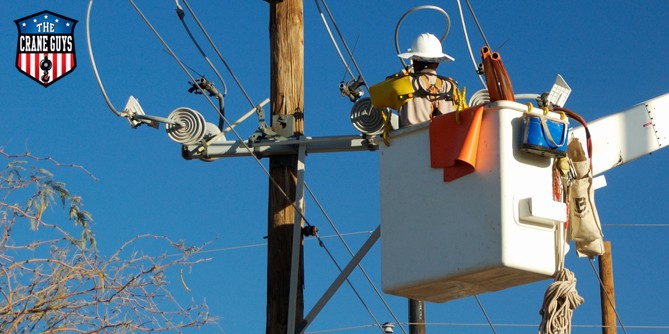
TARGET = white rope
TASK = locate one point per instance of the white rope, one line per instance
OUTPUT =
(560, 300)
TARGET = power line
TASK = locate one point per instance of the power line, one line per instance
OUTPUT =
(376, 290)
(272, 180)
(462, 324)
(341, 37)
(608, 297)
(492, 327)
(636, 225)
(321, 243)
(334, 330)
(241, 141)
(181, 15)
(220, 56)
(263, 244)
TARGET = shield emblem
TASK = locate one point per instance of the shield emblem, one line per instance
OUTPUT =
(45, 50)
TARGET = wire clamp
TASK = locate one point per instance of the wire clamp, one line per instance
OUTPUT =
(352, 89)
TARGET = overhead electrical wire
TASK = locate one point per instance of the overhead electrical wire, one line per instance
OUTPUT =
(181, 15)
(376, 290)
(469, 45)
(187, 66)
(334, 42)
(174, 56)
(355, 291)
(117, 113)
(414, 9)
(242, 141)
(463, 324)
(95, 68)
(608, 297)
(347, 68)
(341, 37)
(397, 46)
(364, 82)
(220, 56)
(102, 88)
(353, 76)
(471, 10)
(209, 87)
(636, 225)
(246, 146)
(262, 244)
(485, 314)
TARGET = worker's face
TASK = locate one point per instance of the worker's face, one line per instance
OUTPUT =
(420, 65)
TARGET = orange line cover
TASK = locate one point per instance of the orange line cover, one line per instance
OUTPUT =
(453, 146)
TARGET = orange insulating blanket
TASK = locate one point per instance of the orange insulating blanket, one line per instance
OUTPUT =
(454, 146)
(497, 79)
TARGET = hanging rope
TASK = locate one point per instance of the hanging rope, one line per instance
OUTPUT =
(560, 300)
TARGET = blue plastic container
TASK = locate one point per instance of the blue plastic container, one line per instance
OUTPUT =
(544, 136)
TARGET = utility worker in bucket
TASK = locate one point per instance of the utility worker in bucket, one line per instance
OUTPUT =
(433, 94)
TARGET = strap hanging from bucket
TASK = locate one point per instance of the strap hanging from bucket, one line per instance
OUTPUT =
(578, 118)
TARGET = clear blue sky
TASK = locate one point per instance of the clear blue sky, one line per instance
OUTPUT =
(610, 53)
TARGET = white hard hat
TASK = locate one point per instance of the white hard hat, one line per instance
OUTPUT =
(426, 47)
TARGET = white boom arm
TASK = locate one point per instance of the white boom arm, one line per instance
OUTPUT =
(627, 135)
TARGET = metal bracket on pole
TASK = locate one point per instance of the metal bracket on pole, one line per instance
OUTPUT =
(297, 234)
(268, 147)
(340, 279)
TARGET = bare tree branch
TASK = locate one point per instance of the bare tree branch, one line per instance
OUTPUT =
(29, 155)
(60, 283)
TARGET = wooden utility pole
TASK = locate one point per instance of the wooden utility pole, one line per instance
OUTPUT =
(607, 295)
(416, 316)
(286, 28)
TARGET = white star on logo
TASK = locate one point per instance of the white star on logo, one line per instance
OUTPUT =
(24, 24)
(34, 20)
(46, 16)
(56, 20)
(67, 24)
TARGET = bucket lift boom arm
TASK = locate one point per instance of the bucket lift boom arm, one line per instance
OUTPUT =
(628, 135)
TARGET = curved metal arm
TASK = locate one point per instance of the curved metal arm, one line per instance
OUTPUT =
(397, 27)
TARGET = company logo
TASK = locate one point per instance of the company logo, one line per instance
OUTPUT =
(45, 50)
